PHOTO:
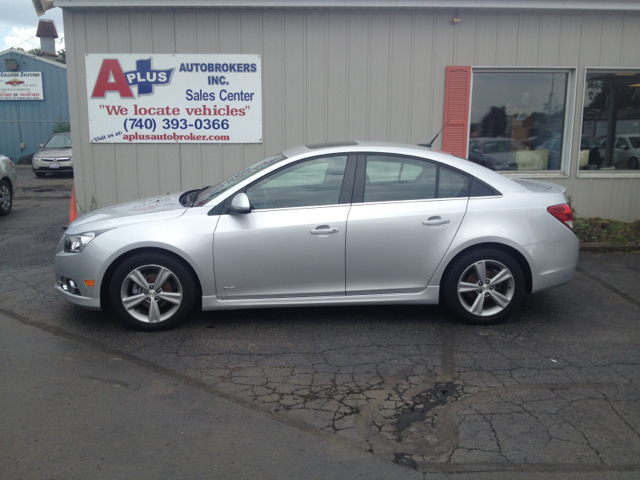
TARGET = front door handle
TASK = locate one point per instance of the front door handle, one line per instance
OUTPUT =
(434, 221)
(323, 230)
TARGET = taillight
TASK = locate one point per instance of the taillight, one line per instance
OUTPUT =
(562, 213)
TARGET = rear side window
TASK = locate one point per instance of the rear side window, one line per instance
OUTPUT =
(390, 178)
(452, 184)
(393, 178)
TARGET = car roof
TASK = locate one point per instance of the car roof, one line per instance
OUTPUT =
(494, 179)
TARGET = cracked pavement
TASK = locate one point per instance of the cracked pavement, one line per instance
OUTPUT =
(555, 389)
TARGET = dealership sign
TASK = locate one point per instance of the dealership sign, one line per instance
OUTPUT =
(21, 86)
(174, 98)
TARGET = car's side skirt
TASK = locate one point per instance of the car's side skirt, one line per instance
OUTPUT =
(428, 296)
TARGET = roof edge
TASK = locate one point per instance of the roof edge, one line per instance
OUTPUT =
(15, 51)
(620, 5)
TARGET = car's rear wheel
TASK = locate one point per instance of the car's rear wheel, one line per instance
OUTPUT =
(152, 291)
(6, 198)
(633, 164)
(483, 286)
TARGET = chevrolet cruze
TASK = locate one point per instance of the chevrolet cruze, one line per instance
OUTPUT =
(329, 224)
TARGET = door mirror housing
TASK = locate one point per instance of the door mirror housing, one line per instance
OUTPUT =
(240, 205)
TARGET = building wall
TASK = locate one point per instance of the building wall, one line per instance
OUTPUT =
(31, 122)
(338, 74)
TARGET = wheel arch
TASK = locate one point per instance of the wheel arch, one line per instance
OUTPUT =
(515, 254)
(105, 303)
(8, 180)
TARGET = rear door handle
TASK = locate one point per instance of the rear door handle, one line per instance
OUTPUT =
(324, 230)
(433, 221)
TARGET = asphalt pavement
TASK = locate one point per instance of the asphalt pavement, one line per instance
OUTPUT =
(366, 392)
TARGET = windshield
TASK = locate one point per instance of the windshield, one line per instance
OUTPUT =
(212, 192)
(59, 141)
(588, 143)
(635, 141)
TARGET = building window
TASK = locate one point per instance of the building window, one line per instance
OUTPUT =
(611, 121)
(518, 120)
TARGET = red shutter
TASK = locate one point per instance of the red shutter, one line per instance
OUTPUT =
(456, 111)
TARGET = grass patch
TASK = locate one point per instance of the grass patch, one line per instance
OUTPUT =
(609, 231)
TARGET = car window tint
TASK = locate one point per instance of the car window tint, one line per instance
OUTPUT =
(620, 143)
(635, 142)
(479, 189)
(390, 178)
(310, 183)
(452, 184)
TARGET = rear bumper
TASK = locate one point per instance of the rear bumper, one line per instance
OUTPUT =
(555, 262)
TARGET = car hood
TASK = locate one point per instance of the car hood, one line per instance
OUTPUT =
(54, 153)
(161, 207)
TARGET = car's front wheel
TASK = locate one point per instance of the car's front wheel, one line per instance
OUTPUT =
(152, 291)
(39, 174)
(483, 286)
(6, 198)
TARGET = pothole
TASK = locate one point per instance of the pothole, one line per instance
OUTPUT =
(422, 403)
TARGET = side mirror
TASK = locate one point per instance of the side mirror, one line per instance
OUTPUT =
(240, 204)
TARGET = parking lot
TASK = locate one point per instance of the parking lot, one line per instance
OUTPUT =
(553, 393)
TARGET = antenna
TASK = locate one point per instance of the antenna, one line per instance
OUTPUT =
(434, 138)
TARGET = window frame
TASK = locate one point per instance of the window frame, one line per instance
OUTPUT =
(345, 190)
(360, 175)
(601, 173)
(566, 158)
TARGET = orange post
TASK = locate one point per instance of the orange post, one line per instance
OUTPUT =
(73, 213)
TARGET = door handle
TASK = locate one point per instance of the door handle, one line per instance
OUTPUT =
(434, 221)
(324, 230)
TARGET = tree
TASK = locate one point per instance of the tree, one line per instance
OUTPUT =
(61, 125)
(61, 55)
(494, 122)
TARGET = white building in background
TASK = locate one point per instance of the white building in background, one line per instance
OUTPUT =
(176, 94)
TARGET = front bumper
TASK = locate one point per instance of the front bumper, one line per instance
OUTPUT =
(86, 302)
(49, 165)
(79, 267)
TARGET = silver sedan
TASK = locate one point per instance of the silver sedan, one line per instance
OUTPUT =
(331, 224)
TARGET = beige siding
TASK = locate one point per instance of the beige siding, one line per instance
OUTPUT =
(338, 74)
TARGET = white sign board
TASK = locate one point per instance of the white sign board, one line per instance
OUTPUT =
(174, 98)
(21, 86)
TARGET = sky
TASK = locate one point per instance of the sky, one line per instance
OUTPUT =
(18, 22)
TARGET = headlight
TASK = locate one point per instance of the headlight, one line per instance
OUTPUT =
(76, 243)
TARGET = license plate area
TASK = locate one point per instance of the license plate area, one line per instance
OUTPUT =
(54, 165)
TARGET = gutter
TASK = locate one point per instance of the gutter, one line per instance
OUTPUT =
(595, 5)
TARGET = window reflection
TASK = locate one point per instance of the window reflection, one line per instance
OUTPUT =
(517, 120)
(611, 121)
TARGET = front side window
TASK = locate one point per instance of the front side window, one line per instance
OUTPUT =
(310, 183)
(518, 120)
(611, 120)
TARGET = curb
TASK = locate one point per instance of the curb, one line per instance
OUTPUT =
(608, 247)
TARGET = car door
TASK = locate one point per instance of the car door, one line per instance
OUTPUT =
(405, 214)
(292, 243)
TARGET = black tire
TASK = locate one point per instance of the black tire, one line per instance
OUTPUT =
(6, 198)
(487, 303)
(152, 309)
(39, 174)
(633, 164)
